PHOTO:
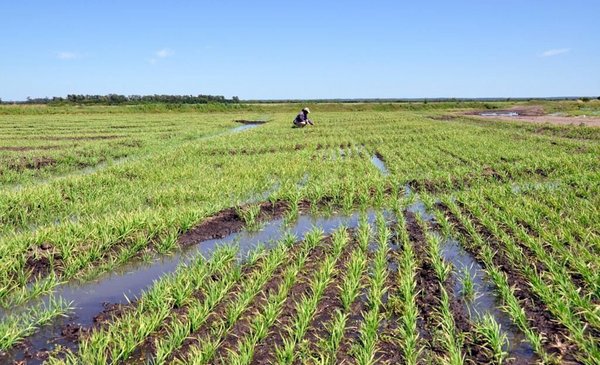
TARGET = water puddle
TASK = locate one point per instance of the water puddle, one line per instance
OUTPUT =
(130, 280)
(485, 300)
(499, 114)
(244, 127)
(378, 162)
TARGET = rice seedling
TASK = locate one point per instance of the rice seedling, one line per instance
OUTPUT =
(87, 191)
(494, 338)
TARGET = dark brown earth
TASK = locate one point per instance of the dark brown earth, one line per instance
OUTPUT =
(27, 148)
(538, 315)
(228, 221)
(40, 260)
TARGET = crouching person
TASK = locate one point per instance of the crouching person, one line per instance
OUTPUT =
(302, 119)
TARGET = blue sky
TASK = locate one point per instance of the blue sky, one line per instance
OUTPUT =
(308, 49)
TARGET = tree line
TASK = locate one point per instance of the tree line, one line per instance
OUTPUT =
(116, 99)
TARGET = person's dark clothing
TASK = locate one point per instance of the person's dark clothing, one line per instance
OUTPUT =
(302, 119)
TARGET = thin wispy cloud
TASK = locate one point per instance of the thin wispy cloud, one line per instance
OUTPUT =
(67, 55)
(555, 52)
(164, 53)
(160, 54)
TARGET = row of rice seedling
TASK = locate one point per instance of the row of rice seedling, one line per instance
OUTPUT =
(549, 228)
(514, 308)
(555, 274)
(204, 348)
(447, 335)
(305, 308)
(410, 343)
(262, 323)
(15, 327)
(77, 226)
(555, 257)
(124, 334)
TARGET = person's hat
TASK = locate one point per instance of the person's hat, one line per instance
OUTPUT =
(306, 110)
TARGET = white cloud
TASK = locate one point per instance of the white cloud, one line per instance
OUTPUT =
(67, 55)
(555, 52)
(164, 53)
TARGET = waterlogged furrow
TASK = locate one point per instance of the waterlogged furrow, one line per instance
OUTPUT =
(549, 346)
(14, 328)
(119, 339)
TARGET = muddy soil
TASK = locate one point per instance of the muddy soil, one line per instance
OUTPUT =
(228, 221)
(28, 148)
(40, 260)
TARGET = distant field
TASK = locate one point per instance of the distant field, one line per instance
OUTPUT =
(387, 233)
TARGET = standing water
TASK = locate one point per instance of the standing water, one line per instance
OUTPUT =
(378, 162)
(128, 282)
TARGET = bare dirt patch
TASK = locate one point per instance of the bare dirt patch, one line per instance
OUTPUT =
(534, 114)
(553, 119)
